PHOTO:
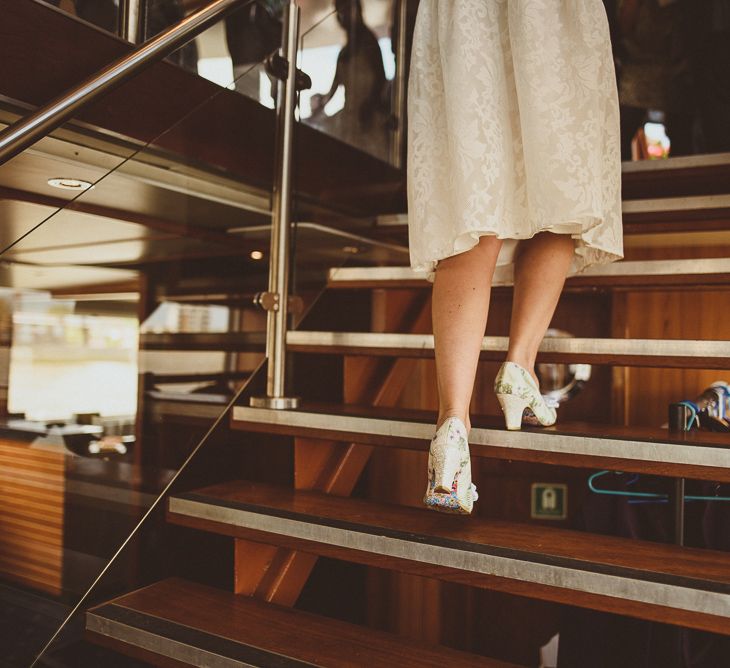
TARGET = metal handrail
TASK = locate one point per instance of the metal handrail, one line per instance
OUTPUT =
(25, 132)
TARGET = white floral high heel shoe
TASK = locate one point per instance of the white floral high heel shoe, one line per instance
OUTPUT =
(449, 488)
(520, 398)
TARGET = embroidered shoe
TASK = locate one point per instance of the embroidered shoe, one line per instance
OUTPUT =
(449, 488)
(520, 398)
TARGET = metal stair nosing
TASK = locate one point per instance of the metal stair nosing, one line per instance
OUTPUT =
(715, 270)
(708, 459)
(664, 353)
(649, 209)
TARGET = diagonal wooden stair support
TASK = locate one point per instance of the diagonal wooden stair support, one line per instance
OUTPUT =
(278, 574)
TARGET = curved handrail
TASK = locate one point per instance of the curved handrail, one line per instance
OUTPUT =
(25, 132)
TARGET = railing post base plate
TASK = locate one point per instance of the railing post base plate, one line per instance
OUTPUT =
(277, 403)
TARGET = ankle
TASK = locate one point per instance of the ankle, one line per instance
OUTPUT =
(526, 362)
(464, 417)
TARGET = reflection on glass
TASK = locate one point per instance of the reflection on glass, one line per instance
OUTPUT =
(102, 13)
(349, 56)
(673, 69)
(87, 363)
(252, 34)
(161, 14)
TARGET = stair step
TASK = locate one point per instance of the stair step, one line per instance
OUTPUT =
(682, 175)
(685, 586)
(634, 273)
(649, 215)
(701, 455)
(184, 623)
(201, 409)
(217, 341)
(629, 352)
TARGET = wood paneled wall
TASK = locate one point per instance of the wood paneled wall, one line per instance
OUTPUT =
(642, 396)
(32, 487)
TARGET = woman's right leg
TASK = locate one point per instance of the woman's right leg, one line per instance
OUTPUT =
(460, 303)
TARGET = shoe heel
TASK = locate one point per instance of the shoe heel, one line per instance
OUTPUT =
(445, 470)
(513, 407)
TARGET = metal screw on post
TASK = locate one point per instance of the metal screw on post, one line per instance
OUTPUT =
(276, 300)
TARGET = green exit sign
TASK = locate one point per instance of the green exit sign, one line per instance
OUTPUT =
(549, 501)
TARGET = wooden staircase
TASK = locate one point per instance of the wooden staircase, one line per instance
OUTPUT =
(660, 582)
(358, 472)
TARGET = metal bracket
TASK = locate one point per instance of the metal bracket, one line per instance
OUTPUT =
(269, 301)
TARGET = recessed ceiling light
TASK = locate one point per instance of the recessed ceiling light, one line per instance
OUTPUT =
(70, 184)
(256, 255)
(351, 249)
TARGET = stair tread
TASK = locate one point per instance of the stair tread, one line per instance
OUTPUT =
(632, 351)
(636, 273)
(247, 629)
(698, 455)
(643, 215)
(658, 562)
(427, 418)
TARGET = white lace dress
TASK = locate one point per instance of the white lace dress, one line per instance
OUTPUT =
(513, 128)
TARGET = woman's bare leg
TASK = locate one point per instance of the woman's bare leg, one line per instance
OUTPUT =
(540, 271)
(460, 304)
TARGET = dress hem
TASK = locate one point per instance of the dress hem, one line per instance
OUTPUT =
(585, 255)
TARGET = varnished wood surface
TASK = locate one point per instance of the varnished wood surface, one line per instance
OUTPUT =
(676, 177)
(279, 576)
(608, 553)
(216, 341)
(608, 431)
(286, 632)
(32, 489)
(705, 219)
(666, 562)
(671, 314)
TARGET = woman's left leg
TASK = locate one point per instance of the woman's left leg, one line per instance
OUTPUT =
(540, 270)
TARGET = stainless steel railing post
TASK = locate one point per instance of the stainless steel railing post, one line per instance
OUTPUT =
(277, 299)
(397, 147)
(131, 20)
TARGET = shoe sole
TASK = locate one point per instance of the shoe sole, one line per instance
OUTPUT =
(432, 502)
